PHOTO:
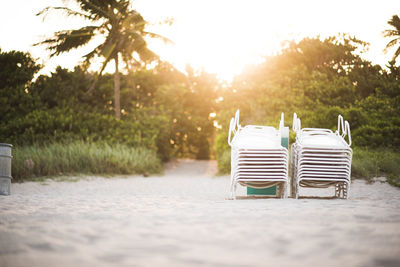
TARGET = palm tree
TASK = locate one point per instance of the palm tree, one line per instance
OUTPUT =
(395, 33)
(124, 35)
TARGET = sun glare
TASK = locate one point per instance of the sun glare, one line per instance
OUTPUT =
(221, 36)
(224, 36)
(218, 36)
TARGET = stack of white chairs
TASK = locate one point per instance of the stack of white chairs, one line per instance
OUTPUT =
(321, 158)
(257, 158)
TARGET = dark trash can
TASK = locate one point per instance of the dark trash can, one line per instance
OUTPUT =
(5, 168)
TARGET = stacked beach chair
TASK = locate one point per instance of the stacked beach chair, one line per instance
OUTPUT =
(321, 158)
(257, 158)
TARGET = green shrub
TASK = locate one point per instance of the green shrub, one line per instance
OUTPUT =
(224, 162)
(82, 158)
(372, 163)
(221, 143)
(223, 153)
(364, 164)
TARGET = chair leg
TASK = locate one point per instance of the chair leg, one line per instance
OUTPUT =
(231, 189)
(345, 189)
(341, 190)
(337, 190)
(283, 190)
(286, 190)
(279, 191)
(234, 191)
(292, 188)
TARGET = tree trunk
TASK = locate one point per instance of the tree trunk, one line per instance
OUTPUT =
(117, 107)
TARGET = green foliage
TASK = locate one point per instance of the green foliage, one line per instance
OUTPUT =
(373, 163)
(17, 68)
(380, 115)
(160, 110)
(221, 142)
(223, 152)
(57, 159)
(58, 124)
(64, 88)
(224, 162)
(364, 164)
(319, 79)
(187, 107)
(16, 72)
(394, 33)
(168, 111)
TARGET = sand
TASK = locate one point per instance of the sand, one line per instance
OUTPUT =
(183, 218)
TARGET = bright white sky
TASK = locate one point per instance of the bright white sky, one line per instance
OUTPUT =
(221, 36)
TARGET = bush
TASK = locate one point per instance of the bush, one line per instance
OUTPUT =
(60, 124)
(221, 143)
(372, 163)
(223, 153)
(364, 164)
(224, 162)
(82, 157)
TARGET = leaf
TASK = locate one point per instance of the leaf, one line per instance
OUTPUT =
(396, 54)
(67, 10)
(392, 43)
(98, 9)
(64, 41)
(155, 35)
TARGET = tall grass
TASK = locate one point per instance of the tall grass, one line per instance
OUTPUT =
(82, 158)
(372, 163)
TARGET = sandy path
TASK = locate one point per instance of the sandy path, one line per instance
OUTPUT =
(183, 219)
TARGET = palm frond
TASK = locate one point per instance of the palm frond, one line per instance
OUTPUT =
(134, 20)
(130, 61)
(123, 27)
(96, 78)
(122, 6)
(66, 10)
(108, 49)
(89, 56)
(396, 54)
(395, 22)
(155, 35)
(64, 41)
(131, 40)
(392, 43)
(106, 61)
(145, 53)
(390, 33)
(98, 8)
(134, 42)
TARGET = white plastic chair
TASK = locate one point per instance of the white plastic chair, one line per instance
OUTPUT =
(257, 158)
(321, 158)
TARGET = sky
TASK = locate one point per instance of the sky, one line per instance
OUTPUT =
(219, 36)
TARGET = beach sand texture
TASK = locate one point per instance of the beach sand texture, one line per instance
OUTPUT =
(183, 218)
